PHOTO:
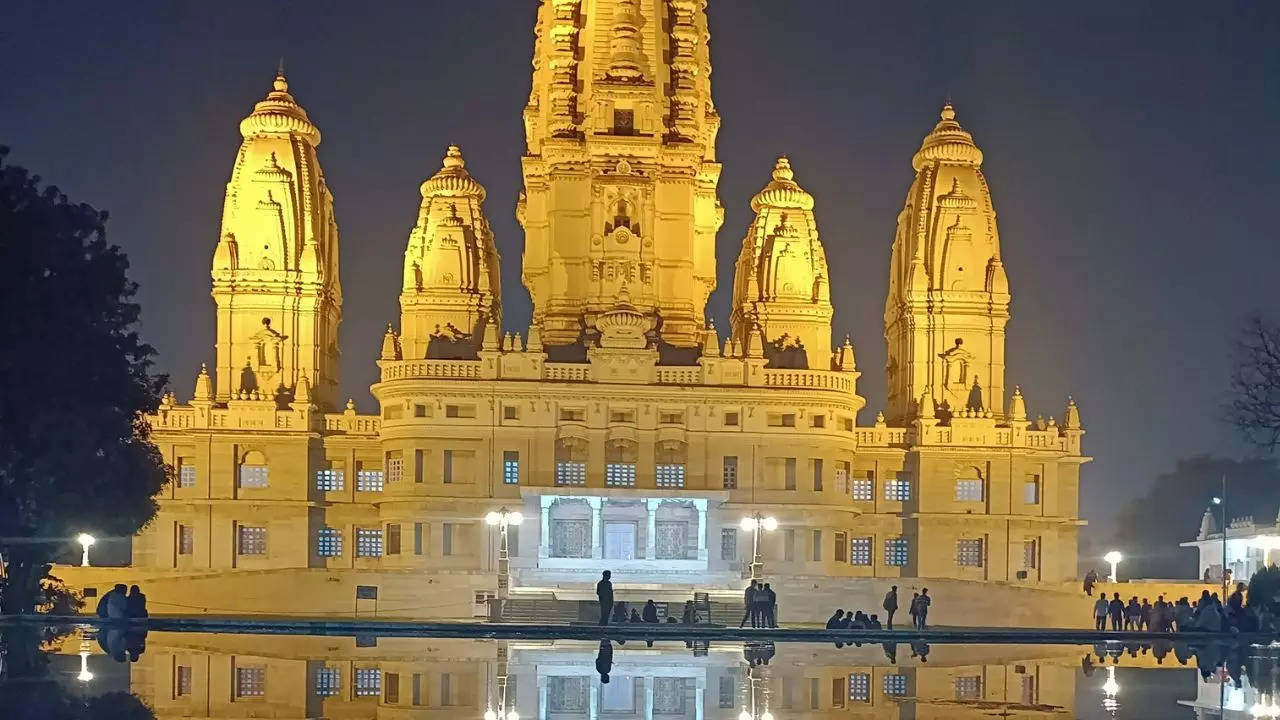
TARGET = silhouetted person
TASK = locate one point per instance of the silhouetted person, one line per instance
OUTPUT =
(619, 613)
(650, 614)
(873, 622)
(118, 603)
(104, 602)
(890, 651)
(690, 614)
(1144, 617)
(1235, 602)
(833, 622)
(1116, 609)
(1101, 609)
(604, 661)
(922, 614)
(859, 621)
(1132, 613)
(1090, 579)
(914, 609)
(890, 606)
(749, 604)
(769, 607)
(604, 594)
(136, 604)
(672, 621)
(635, 616)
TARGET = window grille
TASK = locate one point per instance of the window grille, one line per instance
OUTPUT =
(860, 551)
(620, 474)
(251, 681)
(969, 553)
(368, 682)
(571, 473)
(897, 552)
(252, 540)
(329, 480)
(370, 480)
(860, 687)
(328, 681)
(253, 476)
(969, 490)
(368, 542)
(329, 542)
(669, 476)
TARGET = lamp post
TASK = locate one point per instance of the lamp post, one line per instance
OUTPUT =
(85, 540)
(757, 709)
(1114, 557)
(754, 525)
(1222, 501)
(502, 519)
(1110, 691)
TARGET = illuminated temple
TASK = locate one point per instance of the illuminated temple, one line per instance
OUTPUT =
(629, 431)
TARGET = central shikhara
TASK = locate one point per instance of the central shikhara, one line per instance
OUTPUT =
(621, 423)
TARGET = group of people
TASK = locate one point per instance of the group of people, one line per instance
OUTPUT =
(858, 620)
(120, 603)
(617, 613)
(760, 606)
(1208, 614)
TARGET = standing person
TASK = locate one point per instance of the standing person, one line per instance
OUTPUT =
(650, 614)
(1090, 579)
(749, 604)
(923, 615)
(890, 606)
(1132, 613)
(770, 607)
(1235, 602)
(1116, 609)
(1100, 612)
(136, 603)
(604, 660)
(1144, 617)
(914, 609)
(604, 594)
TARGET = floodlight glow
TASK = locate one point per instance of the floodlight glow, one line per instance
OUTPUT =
(1113, 557)
(85, 675)
(770, 523)
(748, 524)
(1111, 687)
(490, 715)
(513, 715)
(744, 715)
(1217, 500)
(86, 539)
(492, 518)
(766, 715)
(515, 518)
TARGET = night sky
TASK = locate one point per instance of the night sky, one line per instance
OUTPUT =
(1131, 149)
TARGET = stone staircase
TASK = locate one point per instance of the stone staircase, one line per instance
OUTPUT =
(541, 610)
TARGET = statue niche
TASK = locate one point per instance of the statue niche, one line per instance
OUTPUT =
(267, 363)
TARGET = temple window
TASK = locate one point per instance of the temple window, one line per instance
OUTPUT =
(624, 122)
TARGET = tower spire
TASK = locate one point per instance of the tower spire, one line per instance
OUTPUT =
(948, 299)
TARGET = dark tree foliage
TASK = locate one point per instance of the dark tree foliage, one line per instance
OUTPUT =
(1255, 383)
(75, 378)
(1169, 513)
(28, 689)
(1264, 587)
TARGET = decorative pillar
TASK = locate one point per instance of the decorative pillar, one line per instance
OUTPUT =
(648, 697)
(701, 505)
(596, 528)
(594, 712)
(544, 541)
(699, 698)
(542, 697)
(651, 536)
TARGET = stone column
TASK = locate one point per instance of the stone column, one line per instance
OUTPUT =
(648, 697)
(544, 542)
(701, 505)
(542, 697)
(597, 529)
(651, 537)
(594, 712)
(699, 698)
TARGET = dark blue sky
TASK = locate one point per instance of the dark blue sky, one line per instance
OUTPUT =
(1131, 147)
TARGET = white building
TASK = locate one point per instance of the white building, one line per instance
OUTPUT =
(1249, 547)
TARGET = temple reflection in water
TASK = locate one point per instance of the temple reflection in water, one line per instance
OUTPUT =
(239, 676)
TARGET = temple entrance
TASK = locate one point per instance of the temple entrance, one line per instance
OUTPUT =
(620, 541)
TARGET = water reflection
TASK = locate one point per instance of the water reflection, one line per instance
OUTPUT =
(119, 674)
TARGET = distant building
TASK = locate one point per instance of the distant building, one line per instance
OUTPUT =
(630, 434)
(1249, 547)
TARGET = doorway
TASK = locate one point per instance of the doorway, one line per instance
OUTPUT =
(620, 541)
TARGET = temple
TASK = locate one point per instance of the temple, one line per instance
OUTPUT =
(621, 426)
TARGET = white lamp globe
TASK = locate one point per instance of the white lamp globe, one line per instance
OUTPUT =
(1113, 557)
(513, 715)
(86, 539)
(744, 715)
(770, 524)
(748, 524)
(492, 518)
(515, 518)
(766, 715)
(490, 715)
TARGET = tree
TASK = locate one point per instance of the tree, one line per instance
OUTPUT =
(1255, 383)
(1152, 526)
(1264, 588)
(75, 453)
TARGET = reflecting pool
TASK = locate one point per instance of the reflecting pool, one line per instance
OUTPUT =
(113, 674)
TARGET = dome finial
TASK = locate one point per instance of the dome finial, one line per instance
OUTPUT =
(782, 171)
(453, 157)
(280, 84)
(948, 113)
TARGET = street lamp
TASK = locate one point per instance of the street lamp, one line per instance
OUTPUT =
(502, 519)
(1110, 689)
(754, 525)
(85, 540)
(1222, 501)
(1114, 557)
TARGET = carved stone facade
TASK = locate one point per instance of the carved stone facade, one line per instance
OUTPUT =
(628, 432)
